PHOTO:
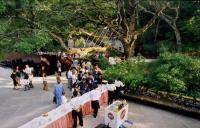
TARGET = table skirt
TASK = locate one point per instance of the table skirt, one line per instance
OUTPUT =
(86, 108)
(104, 98)
(65, 121)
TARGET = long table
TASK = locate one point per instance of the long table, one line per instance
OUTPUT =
(61, 117)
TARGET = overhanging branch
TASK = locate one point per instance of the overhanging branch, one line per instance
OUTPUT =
(59, 40)
(150, 22)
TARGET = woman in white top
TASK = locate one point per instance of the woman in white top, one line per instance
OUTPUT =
(63, 98)
(74, 76)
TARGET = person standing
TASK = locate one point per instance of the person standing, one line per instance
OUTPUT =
(95, 95)
(58, 89)
(63, 97)
(89, 65)
(77, 110)
(75, 62)
(90, 81)
(25, 82)
(111, 88)
(75, 87)
(80, 76)
(59, 67)
(83, 86)
(97, 69)
(99, 78)
(69, 78)
(15, 77)
(45, 82)
(74, 76)
(18, 76)
(119, 88)
(28, 71)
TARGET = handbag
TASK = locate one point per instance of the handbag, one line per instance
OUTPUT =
(54, 99)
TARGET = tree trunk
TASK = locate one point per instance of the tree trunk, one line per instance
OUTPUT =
(129, 49)
(157, 26)
(178, 37)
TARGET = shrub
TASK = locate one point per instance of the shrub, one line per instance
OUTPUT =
(131, 72)
(175, 73)
(102, 62)
(171, 72)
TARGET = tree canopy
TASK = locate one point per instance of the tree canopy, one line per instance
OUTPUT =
(29, 25)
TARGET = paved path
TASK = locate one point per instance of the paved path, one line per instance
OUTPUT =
(18, 107)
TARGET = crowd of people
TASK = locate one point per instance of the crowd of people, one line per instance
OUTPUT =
(82, 77)
(24, 77)
(20, 73)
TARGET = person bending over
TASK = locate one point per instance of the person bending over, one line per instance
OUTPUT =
(77, 111)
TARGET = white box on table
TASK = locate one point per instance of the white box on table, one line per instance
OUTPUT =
(116, 118)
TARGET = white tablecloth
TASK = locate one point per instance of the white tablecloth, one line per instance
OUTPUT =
(55, 114)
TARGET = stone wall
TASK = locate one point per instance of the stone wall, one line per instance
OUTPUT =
(189, 102)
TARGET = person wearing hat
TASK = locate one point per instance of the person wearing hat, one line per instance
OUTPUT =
(58, 90)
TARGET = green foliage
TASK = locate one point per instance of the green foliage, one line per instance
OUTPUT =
(175, 73)
(35, 41)
(90, 26)
(80, 42)
(189, 24)
(149, 48)
(66, 17)
(20, 21)
(131, 72)
(171, 72)
(4, 25)
(165, 46)
(102, 62)
(193, 25)
(2, 6)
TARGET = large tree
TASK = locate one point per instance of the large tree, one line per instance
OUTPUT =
(32, 24)
(28, 25)
(170, 16)
(120, 17)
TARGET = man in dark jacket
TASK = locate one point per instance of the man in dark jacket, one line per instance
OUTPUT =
(83, 86)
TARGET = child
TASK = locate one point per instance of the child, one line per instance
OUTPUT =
(45, 82)
(74, 93)
(75, 87)
(26, 82)
(63, 98)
